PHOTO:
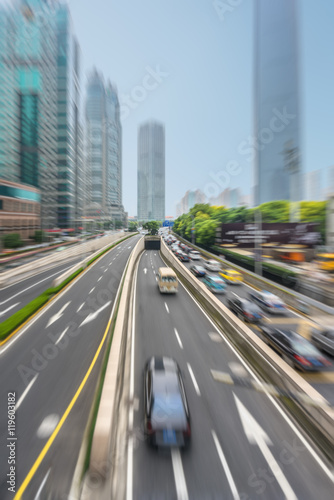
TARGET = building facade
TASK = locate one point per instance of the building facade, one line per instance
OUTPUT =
(103, 151)
(19, 209)
(151, 172)
(277, 149)
(28, 100)
(69, 129)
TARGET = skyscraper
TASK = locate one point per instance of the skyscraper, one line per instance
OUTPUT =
(28, 100)
(69, 135)
(103, 150)
(277, 113)
(151, 172)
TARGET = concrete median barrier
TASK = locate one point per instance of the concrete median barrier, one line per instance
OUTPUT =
(318, 419)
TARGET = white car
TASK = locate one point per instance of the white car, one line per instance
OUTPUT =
(194, 255)
(212, 265)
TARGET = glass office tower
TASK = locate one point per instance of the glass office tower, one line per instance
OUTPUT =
(277, 112)
(28, 100)
(103, 150)
(151, 172)
(69, 151)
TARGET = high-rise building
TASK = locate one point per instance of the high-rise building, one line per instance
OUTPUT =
(277, 112)
(190, 198)
(103, 151)
(151, 171)
(28, 100)
(312, 185)
(69, 135)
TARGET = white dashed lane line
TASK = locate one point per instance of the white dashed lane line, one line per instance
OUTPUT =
(194, 380)
(92, 289)
(166, 306)
(178, 338)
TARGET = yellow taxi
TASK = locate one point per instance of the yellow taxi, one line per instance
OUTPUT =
(232, 277)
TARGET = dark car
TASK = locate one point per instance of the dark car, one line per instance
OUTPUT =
(198, 271)
(324, 340)
(245, 309)
(167, 419)
(295, 349)
(183, 257)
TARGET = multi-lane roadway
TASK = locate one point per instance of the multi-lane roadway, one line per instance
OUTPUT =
(244, 445)
(52, 366)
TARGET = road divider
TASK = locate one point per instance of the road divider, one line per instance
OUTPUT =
(316, 419)
(99, 461)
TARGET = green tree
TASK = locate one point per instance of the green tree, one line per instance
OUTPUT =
(39, 236)
(12, 240)
(132, 227)
(152, 226)
(206, 232)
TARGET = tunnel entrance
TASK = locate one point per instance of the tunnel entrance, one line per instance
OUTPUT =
(152, 242)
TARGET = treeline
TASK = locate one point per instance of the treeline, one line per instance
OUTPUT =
(205, 218)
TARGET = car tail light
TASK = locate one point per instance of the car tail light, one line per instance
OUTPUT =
(249, 315)
(325, 361)
(187, 432)
(302, 360)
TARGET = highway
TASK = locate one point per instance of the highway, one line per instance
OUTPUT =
(244, 445)
(322, 381)
(44, 364)
(15, 296)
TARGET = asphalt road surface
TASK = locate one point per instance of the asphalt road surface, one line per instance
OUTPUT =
(44, 364)
(244, 445)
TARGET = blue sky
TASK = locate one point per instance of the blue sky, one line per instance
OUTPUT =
(204, 95)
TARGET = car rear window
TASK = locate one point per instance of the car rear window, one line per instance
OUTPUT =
(167, 407)
(304, 348)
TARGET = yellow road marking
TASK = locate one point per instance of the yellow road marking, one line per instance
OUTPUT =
(61, 422)
(319, 378)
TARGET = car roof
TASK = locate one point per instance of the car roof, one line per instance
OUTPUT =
(165, 374)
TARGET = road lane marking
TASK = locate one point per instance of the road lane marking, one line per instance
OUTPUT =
(38, 494)
(283, 414)
(51, 439)
(105, 271)
(237, 369)
(58, 315)
(256, 435)
(62, 335)
(47, 426)
(145, 270)
(9, 308)
(94, 315)
(166, 306)
(79, 309)
(25, 392)
(178, 338)
(215, 337)
(226, 468)
(32, 286)
(180, 480)
(99, 278)
(194, 380)
(92, 289)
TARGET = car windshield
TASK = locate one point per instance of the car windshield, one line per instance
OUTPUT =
(252, 308)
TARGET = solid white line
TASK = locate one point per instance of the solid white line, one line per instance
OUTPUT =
(9, 308)
(178, 338)
(38, 494)
(180, 481)
(129, 481)
(194, 380)
(92, 290)
(25, 392)
(79, 309)
(285, 416)
(226, 467)
(166, 306)
(99, 278)
(31, 286)
(62, 335)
